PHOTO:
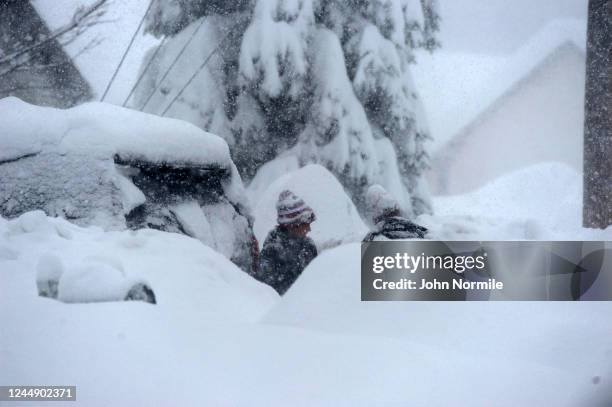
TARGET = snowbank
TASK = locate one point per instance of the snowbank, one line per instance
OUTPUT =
(554, 349)
(541, 202)
(268, 174)
(337, 218)
(189, 279)
(103, 130)
(320, 346)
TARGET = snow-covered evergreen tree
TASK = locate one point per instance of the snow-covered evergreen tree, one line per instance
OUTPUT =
(325, 80)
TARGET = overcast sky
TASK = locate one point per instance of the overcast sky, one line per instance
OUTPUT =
(500, 26)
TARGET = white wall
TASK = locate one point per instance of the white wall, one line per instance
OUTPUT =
(540, 120)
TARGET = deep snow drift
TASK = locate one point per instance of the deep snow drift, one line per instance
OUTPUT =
(541, 202)
(479, 353)
(202, 343)
(190, 280)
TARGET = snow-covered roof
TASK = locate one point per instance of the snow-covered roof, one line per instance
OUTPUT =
(457, 87)
(105, 130)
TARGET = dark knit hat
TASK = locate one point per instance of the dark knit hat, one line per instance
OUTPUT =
(380, 203)
(292, 209)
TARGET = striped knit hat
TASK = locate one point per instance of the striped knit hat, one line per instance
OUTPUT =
(292, 209)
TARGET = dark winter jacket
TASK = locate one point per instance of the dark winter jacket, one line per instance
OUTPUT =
(394, 228)
(283, 258)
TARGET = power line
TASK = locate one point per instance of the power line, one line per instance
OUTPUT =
(172, 64)
(112, 79)
(195, 74)
(144, 71)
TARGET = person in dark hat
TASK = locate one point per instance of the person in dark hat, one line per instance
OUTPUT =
(387, 218)
(287, 250)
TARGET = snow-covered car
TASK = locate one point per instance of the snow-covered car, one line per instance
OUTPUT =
(93, 279)
(103, 165)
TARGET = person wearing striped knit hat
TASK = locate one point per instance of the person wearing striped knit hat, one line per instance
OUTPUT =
(287, 250)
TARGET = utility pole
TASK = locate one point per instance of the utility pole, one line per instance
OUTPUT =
(597, 199)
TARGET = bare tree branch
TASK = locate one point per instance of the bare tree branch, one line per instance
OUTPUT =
(16, 88)
(88, 47)
(83, 18)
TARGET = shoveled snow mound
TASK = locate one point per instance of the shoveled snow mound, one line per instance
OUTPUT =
(189, 279)
(337, 218)
(572, 338)
(540, 202)
(103, 130)
(268, 174)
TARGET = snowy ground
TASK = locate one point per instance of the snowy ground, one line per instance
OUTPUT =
(542, 202)
(217, 337)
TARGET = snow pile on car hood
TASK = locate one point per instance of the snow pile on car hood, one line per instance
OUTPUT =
(105, 130)
(337, 218)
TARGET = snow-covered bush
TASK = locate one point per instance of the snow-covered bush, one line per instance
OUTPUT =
(99, 164)
(323, 80)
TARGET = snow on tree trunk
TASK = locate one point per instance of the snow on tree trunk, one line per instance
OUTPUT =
(325, 81)
(597, 211)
